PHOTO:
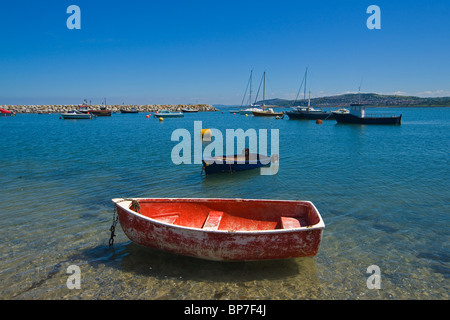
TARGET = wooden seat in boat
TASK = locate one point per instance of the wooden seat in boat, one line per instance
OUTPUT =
(171, 218)
(213, 220)
(290, 223)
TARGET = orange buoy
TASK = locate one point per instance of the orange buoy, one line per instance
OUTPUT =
(318, 121)
(148, 116)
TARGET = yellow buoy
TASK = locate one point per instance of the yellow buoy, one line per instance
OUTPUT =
(161, 119)
(206, 134)
(246, 115)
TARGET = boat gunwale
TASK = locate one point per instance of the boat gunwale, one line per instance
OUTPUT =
(125, 203)
(237, 159)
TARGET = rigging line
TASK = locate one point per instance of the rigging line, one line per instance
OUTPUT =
(269, 85)
(260, 83)
(245, 93)
(359, 91)
(299, 89)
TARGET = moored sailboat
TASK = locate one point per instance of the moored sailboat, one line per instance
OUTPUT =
(269, 112)
(308, 113)
(251, 107)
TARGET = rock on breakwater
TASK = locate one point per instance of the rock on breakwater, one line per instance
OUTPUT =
(113, 108)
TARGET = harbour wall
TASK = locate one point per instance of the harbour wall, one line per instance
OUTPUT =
(113, 108)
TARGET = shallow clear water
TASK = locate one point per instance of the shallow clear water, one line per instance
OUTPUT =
(383, 192)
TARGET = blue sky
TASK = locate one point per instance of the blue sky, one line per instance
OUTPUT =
(170, 52)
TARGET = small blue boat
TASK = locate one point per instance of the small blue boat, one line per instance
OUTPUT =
(234, 163)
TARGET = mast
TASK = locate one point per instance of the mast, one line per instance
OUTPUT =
(264, 89)
(250, 95)
(306, 76)
(359, 92)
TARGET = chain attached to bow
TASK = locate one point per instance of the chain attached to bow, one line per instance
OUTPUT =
(113, 227)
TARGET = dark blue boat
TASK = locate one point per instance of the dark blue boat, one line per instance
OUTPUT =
(357, 115)
(309, 113)
(234, 163)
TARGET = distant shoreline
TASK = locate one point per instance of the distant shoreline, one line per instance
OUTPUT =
(370, 100)
(335, 107)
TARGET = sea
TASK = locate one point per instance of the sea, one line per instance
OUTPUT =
(383, 193)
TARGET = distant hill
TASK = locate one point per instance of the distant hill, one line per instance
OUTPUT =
(369, 99)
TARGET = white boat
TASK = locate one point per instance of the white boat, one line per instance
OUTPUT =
(252, 107)
(75, 114)
(189, 110)
(341, 111)
(168, 114)
(250, 110)
(266, 112)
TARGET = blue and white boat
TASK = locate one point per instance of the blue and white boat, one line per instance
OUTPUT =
(75, 114)
(168, 114)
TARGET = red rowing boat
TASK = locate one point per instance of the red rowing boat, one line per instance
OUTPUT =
(6, 113)
(223, 229)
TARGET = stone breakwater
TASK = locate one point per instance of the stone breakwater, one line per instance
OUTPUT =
(113, 108)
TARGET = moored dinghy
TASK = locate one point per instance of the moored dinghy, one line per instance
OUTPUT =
(237, 162)
(168, 114)
(269, 112)
(223, 229)
(75, 114)
(6, 113)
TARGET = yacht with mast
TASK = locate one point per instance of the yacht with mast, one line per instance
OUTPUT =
(252, 107)
(269, 112)
(308, 112)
